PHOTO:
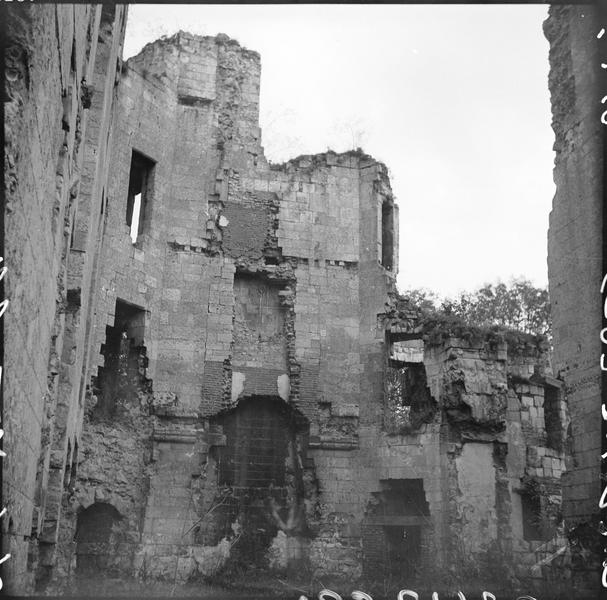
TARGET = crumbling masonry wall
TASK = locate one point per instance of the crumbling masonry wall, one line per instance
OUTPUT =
(574, 266)
(250, 279)
(237, 359)
(488, 452)
(60, 81)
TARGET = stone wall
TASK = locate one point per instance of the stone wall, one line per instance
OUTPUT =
(248, 280)
(492, 479)
(231, 357)
(61, 69)
(574, 263)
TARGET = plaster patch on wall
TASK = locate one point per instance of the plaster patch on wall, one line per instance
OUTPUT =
(238, 380)
(476, 480)
(284, 386)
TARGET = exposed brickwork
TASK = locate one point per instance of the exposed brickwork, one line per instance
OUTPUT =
(214, 392)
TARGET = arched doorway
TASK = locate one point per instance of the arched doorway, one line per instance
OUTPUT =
(96, 539)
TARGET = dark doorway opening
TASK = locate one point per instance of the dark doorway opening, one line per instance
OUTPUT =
(96, 539)
(394, 529)
(403, 549)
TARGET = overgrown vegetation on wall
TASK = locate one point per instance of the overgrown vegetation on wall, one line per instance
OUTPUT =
(518, 314)
(517, 305)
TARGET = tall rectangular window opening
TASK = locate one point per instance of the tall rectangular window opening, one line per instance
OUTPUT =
(140, 189)
(387, 235)
(532, 519)
(552, 418)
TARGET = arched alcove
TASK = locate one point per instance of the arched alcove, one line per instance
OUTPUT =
(96, 538)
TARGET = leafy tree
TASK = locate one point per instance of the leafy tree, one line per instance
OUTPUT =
(518, 305)
(423, 298)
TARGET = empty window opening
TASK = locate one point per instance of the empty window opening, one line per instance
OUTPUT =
(409, 401)
(123, 373)
(552, 418)
(533, 527)
(140, 188)
(97, 539)
(135, 229)
(409, 350)
(387, 235)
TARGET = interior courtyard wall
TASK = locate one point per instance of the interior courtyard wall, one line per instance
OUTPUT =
(311, 233)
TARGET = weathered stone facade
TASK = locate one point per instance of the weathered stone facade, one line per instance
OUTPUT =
(490, 432)
(62, 65)
(221, 377)
(575, 248)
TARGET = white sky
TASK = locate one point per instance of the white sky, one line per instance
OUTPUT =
(454, 99)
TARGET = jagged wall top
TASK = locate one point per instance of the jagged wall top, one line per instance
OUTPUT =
(171, 58)
(195, 66)
(183, 40)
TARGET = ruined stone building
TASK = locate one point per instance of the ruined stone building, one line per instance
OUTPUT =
(209, 365)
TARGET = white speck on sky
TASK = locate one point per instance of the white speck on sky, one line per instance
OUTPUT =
(453, 99)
